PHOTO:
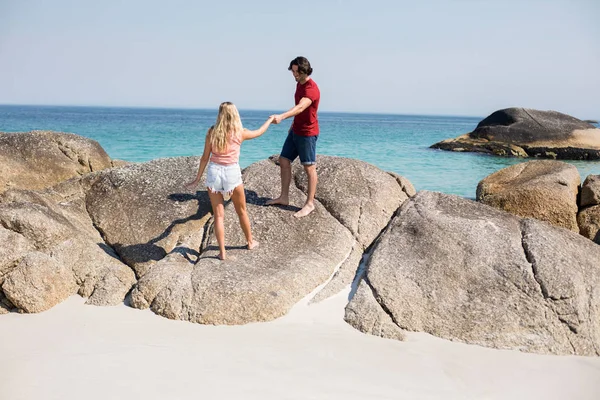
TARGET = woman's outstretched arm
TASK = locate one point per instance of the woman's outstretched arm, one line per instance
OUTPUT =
(203, 162)
(247, 134)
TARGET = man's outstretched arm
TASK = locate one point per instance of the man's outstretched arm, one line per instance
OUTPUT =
(304, 103)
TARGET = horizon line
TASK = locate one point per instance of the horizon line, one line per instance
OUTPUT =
(266, 109)
(241, 109)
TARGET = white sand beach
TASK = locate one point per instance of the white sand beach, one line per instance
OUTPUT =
(75, 351)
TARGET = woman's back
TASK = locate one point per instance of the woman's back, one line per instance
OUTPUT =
(231, 154)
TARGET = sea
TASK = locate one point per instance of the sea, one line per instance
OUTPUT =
(393, 142)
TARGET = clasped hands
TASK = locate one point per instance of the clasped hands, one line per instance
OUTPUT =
(277, 118)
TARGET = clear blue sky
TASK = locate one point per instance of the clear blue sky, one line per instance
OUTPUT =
(461, 57)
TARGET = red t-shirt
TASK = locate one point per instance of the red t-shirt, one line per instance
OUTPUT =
(306, 123)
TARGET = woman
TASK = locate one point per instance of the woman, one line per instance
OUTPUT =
(224, 176)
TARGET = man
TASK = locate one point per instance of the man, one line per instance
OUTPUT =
(302, 136)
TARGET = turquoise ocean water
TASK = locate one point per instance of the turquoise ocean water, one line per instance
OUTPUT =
(398, 143)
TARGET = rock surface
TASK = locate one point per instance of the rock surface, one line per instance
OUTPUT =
(588, 217)
(590, 191)
(55, 251)
(40, 159)
(542, 189)
(143, 210)
(356, 193)
(465, 271)
(89, 234)
(588, 220)
(295, 256)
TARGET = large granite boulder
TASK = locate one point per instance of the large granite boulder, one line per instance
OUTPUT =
(361, 197)
(40, 159)
(464, 271)
(144, 212)
(542, 189)
(52, 251)
(356, 193)
(522, 132)
(295, 256)
(83, 235)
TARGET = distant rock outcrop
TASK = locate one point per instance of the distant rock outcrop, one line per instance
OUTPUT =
(462, 270)
(521, 132)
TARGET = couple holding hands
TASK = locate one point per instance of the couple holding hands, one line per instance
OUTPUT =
(222, 150)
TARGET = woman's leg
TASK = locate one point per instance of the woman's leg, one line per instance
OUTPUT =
(239, 201)
(216, 200)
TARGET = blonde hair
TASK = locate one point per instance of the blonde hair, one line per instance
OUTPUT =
(228, 124)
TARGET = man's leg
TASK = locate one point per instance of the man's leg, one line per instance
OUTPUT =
(307, 150)
(288, 154)
(309, 206)
(286, 178)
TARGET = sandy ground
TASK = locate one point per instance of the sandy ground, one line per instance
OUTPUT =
(74, 351)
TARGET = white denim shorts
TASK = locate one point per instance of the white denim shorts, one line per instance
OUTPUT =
(223, 178)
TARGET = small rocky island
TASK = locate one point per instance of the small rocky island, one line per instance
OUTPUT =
(522, 132)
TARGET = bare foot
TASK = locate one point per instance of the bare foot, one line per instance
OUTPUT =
(280, 200)
(253, 245)
(224, 257)
(307, 209)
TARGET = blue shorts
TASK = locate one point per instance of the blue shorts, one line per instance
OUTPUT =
(304, 147)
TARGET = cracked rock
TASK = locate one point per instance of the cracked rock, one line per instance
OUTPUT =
(359, 195)
(464, 271)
